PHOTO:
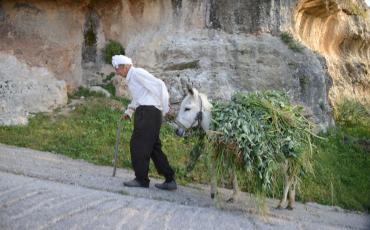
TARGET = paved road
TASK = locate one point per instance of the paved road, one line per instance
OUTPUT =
(40, 190)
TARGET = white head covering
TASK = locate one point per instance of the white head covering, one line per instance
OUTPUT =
(120, 60)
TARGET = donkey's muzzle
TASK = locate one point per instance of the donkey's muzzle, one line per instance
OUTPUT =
(180, 132)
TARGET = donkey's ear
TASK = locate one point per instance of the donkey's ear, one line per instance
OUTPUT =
(190, 89)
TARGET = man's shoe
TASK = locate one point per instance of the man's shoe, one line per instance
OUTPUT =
(135, 183)
(167, 185)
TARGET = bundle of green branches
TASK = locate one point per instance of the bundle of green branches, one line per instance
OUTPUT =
(259, 131)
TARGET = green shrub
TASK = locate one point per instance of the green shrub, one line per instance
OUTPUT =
(293, 44)
(342, 160)
(342, 169)
(350, 111)
(112, 48)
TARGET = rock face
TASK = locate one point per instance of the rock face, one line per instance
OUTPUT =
(221, 64)
(340, 31)
(220, 46)
(25, 89)
(249, 16)
(44, 34)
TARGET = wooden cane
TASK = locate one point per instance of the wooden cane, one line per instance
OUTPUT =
(118, 134)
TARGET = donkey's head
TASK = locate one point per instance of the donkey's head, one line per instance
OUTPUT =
(195, 110)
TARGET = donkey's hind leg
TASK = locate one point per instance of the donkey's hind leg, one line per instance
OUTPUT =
(236, 190)
(287, 183)
(213, 179)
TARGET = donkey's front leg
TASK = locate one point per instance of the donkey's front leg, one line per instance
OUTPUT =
(236, 190)
(287, 182)
(291, 199)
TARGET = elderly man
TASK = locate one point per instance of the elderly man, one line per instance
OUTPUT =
(149, 102)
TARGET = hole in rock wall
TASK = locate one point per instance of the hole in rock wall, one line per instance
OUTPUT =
(89, 48)
(91, 60)
(2, 14)
(176, 5)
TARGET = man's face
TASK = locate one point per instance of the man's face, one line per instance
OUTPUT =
(122, 70)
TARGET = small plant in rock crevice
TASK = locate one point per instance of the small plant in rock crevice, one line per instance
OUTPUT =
(293, 44)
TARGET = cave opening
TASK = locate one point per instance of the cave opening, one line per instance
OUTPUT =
(89, 48)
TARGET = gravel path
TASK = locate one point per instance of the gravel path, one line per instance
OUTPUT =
(40, 190)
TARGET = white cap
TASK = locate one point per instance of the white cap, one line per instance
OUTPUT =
(120, 60)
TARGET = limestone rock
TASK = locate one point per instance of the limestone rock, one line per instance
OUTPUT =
(25, 89)
(99, 89)
(221, 64)
(340, 31)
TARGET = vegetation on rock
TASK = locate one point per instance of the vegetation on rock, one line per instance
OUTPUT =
(112, 48)
(293, 44)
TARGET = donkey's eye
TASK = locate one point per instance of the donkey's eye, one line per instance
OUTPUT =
(187, 109)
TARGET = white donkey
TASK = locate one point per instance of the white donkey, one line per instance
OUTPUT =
(195, 111)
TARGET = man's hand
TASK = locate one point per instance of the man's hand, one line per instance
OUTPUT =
(125, 117)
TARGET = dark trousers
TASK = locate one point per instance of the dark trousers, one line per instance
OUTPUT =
(145, 144)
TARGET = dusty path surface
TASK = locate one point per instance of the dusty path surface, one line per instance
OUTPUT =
(40, 190)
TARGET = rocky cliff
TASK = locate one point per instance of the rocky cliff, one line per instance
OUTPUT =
(220, 46)
(340, 31)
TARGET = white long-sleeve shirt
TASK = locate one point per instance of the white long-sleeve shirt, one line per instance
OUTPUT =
(146, 89)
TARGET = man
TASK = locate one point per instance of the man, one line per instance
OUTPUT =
(149, 102)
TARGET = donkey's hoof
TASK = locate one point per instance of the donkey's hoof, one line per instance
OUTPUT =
(279, 207)
(212, 195)
(289, 208)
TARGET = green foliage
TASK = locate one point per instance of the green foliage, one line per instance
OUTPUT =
(261, 130)
(197, 150)
(342, 169)
(350, 111)
(110, 88)
(293, 44)
(109, 77)
(112, 48)
(90, 37)
(342, 161)
(108, 84)
(86, 133)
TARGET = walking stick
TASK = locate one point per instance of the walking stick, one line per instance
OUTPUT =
(118, 134)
